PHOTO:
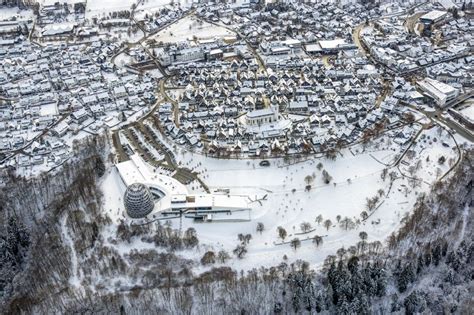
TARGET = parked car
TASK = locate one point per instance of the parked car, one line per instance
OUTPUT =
(265, 163)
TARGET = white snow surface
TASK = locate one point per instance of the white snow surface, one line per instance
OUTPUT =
(8, 13)
(74, 279)
(190, 27)
(283, 207)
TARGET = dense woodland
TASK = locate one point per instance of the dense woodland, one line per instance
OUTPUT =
(38, 204)
(55, 231)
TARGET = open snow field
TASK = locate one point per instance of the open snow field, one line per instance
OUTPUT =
(8, 13)
(424, 162)
(150, 6)
(190, 27)
(468, 111)
(285, 202)
(100, 7)
(289, 209)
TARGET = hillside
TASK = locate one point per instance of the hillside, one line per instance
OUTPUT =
(426, 265)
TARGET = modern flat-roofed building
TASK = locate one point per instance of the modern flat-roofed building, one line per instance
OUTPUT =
(442, 93)
(150, 195)
(201, 206)
(433, 17)
(334, 45)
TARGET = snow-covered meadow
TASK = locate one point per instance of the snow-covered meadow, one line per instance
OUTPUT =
(101, 7)
(280, 198)
(189, 28)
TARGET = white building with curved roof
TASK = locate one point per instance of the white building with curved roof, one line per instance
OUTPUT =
(169, 196)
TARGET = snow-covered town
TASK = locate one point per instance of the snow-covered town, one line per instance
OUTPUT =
(239, 134)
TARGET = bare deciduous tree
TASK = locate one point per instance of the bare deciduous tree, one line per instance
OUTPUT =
(347, 223)
(295, 243)
(327, 224)
(319, 219)
(317, 240)
(240, 251)
(326, 177)
(281, 233)
(305, 227)
(260, 227)
(223, 256)
(208, 258)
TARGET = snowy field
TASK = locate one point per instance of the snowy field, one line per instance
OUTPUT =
(190, 27)
(8, 13)
(50, 109)
(100, 7)
(284, 201)
(424, 161)
(151, 6)
(123, 59)
(112, 5)
(468, 111)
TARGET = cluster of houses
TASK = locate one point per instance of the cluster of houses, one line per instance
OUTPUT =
(185, 53)
(390, 44)
(158, 20)
(234, 107)
(52, 11)
(263, 91)
(54, 94)
(305, 22)
(289, 101)
(457, 73)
